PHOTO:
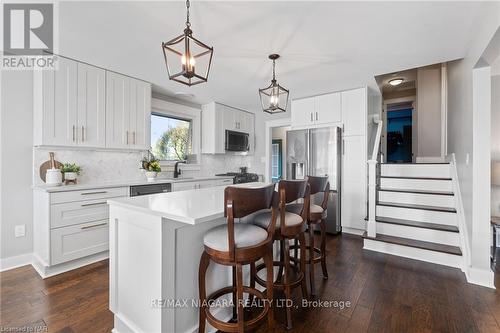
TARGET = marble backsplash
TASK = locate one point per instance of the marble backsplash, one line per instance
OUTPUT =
(108, 165)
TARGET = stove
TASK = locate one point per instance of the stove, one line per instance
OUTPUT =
(240, 178)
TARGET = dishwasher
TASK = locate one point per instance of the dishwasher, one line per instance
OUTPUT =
(138, 190)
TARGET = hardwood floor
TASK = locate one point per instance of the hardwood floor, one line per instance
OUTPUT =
(387, 294)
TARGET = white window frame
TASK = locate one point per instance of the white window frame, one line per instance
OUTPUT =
(169, 109)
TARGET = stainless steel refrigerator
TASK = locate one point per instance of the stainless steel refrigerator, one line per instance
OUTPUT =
(318, 152)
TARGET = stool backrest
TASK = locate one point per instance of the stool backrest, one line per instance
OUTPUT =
(320, 184)
(289, 191)
(241, 201)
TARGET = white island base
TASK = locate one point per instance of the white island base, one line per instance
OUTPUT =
(155, 246)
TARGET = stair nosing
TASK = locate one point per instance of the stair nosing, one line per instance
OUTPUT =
(416, 191)
(417, 178)
(420, 207)
(417, 224)
(429, 246)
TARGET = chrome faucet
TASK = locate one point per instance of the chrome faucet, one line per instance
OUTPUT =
(177, 171)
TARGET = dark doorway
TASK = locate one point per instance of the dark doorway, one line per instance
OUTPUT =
(399, 134)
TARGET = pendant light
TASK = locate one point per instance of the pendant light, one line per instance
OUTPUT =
(187, 59)
(274, 98)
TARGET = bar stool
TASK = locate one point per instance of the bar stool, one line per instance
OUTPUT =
(317, 216)
(237, 244)
(292, 228)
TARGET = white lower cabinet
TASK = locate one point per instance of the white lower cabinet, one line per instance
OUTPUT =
(78, 241)
(193, 185)
(71, 225)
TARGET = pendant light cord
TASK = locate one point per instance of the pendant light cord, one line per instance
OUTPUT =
(274, 72)
(188, 24)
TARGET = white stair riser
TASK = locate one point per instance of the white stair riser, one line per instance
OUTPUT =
(416, 170)
(417, 199)
(414, 253)
(419, 215)
(416, 184)
(427, 235)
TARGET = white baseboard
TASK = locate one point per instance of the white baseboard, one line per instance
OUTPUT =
(48, 271)
(15, 261)
(353, 231)
(481, 277)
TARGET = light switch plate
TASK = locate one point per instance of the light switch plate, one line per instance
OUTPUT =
(20, 230)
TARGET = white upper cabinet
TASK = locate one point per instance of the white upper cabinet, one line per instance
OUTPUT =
(354, 111)
(79, 105)
(128, 112)
(317, 110)
(91, 106)
(328, 109)
(55, 105)
(216, 119)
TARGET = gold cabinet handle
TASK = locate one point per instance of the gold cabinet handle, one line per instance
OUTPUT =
(89, 193)
(93, 226)
(127, 137)
(73, 133)
(94, 204)
(83, 133)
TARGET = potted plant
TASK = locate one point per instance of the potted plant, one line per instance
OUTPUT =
(151, 167)
(71, 171)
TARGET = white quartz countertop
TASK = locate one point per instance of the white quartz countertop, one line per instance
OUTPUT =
(122, 183)
(190, 207)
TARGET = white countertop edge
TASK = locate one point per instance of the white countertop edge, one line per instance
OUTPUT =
(79, 187)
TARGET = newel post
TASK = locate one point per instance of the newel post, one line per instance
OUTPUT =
(371, 225)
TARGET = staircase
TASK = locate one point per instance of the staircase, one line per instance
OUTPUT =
(415, 214)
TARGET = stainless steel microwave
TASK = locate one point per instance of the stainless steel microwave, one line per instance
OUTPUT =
(237, 141)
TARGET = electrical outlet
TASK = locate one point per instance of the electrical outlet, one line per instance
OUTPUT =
(20, 230)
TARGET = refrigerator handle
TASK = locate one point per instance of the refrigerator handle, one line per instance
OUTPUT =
(343, 146)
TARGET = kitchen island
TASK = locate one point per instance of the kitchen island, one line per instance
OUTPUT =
(155, 246)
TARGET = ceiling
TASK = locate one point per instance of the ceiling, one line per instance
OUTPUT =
(325, 46)
(409, 77)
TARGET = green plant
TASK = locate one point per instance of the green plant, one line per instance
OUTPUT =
(150, 163)
(154, 166)
(71, 167)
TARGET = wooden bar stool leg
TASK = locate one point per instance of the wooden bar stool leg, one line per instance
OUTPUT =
(323, 248)
(311, 259)
(234, 294)
(253, 272)
(295, 251)
(302, 241)
(288, 291)
(282, 259)
(268, 260)
(202, 270)
(239, 298)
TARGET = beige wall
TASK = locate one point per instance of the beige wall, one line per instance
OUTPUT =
(429, 111)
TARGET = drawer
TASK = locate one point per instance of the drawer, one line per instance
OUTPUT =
(102, 193)
(78, 241)
(70, 213)
(221, 182)
(183, 186)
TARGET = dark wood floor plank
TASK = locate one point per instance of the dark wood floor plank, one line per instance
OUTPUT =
(387, 294)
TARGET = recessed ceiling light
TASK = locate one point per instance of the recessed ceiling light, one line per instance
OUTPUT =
(396, 82)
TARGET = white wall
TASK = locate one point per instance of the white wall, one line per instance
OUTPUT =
(16, 155)
(460, 119)
(495, 139)
(429, 111)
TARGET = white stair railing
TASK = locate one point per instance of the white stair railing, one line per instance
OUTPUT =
(371, 226)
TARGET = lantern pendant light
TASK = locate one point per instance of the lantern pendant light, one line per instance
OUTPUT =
(188, 60)
(274, 98)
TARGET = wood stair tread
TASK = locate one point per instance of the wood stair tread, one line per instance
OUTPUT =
(417, 224)
(417, 178)
(455, 250)
(413, 206)
(416, 191)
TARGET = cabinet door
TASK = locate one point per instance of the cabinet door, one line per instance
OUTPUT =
(354, 183)
(303, 112)
(354, 111)
(206, 184)
(140, 114)
(328, 109)
(183, 186)
(117, 110)
(246, 122)
(59, 98)
(91, 106)
(229, 117)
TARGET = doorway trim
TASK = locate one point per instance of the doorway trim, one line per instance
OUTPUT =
(270, 124)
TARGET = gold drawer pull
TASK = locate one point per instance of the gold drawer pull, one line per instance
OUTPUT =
(94, 226)
(94, 204)
(89, 193)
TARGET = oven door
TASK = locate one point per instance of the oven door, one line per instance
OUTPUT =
(237, 141)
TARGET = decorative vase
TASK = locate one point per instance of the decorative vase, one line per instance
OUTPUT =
(70, 177)
(151, 175)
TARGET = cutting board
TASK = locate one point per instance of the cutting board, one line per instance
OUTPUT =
(46, 165)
